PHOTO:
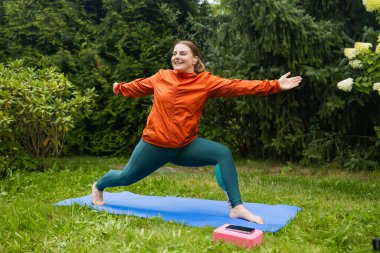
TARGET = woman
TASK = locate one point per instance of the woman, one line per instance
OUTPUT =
(170, 134)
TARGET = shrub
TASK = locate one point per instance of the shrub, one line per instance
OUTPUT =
(38, 108)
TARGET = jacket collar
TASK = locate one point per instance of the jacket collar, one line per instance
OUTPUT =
(185, 75)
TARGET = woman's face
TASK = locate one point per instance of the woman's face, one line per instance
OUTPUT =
(183, 59)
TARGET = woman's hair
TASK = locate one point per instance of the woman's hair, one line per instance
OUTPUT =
(199, 67)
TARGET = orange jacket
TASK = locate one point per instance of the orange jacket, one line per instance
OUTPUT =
(179, 99)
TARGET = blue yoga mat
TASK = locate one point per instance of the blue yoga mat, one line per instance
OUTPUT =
(188, 211)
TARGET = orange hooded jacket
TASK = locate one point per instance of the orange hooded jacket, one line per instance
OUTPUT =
(179, 99)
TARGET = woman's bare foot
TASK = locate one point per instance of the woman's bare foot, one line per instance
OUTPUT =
(97, 196)
(239, 211)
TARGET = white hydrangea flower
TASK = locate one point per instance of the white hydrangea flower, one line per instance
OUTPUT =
(362, 46)
(371, 5)
(351, 53)
(356, 64)
(346, 84)
(376, 86)
(378, 49)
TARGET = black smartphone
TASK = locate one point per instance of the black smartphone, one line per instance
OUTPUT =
(240, 229)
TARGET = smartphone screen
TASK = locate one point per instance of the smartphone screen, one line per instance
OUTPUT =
(240, 229)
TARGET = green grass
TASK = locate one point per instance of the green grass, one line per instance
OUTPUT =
(340, 209)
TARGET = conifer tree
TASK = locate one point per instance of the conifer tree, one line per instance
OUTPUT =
(350, 13)
(95, 43)
(264, 39)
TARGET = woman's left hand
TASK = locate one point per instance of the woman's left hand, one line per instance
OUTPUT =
(289, 83)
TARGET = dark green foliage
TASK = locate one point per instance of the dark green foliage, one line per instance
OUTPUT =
(98, 42)
(263, 40)
(350, 13)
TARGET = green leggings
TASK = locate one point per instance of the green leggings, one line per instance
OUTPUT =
(147, 158)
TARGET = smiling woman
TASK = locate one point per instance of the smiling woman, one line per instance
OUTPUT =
(182, 59)
(186, 58)
(171, 131)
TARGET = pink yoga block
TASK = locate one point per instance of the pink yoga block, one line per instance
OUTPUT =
(248, 240)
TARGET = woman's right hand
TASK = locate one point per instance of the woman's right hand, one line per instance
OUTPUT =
(287, 83)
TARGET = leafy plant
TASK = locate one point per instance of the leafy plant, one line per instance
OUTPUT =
(364, 61)
(39, 107)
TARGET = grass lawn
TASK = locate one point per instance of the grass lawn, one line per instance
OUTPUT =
(340, 209)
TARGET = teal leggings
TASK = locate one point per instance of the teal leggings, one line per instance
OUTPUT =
(147, 158)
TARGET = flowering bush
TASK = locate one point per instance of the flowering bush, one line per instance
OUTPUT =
(346, 84)
(371, 5)
(366, 65)
(364, 61)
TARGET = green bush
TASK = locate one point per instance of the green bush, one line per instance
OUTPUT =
(38, 108)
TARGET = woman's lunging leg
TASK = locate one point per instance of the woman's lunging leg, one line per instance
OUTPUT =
(144, 160)
(202, 152)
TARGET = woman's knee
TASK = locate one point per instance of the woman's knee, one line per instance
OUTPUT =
(223, 152)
